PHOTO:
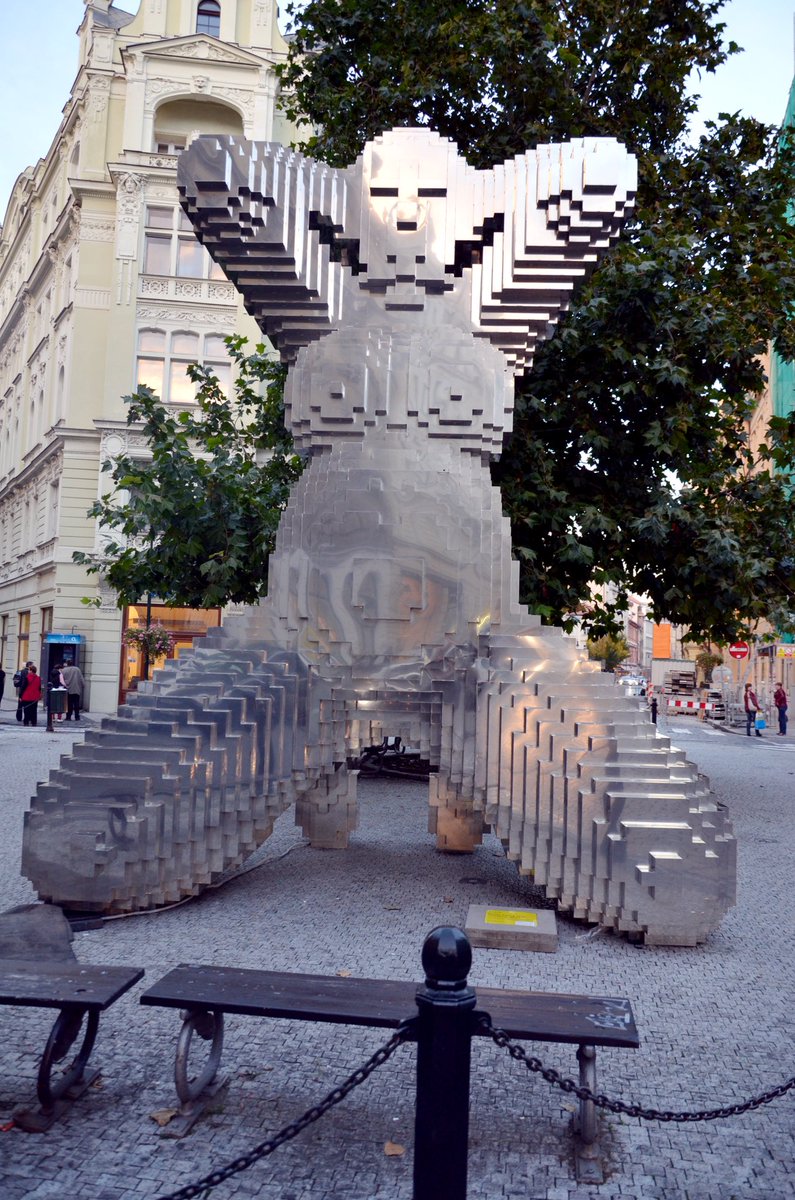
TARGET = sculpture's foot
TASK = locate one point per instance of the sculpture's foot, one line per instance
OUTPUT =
(327, 813)
(457, 827)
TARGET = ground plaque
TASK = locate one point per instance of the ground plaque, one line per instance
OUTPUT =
(512, 928)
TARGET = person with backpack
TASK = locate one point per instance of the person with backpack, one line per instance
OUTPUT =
(20, 683)
(31, 695)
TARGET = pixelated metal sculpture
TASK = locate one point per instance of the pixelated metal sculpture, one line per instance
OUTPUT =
(406, 291)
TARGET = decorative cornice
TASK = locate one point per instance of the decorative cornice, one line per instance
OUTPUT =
(98, 298)
(168, 314)
(43, 464)
(93, 189)
(198, 47)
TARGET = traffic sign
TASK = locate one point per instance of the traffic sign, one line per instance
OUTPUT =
(739, 650)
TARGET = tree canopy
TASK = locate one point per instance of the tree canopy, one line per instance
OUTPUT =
(194, 522)
(609, 649)
(631, 461)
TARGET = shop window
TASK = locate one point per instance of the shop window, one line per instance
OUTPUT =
(208, 17)
(185, 625)
(23, 640)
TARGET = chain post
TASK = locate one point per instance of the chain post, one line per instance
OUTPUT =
(586, 1116)
(444, 1034)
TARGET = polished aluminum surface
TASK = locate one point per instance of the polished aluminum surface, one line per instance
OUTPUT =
(406, 291)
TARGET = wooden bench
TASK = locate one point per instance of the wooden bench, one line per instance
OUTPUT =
(205, 993)
(81, 993)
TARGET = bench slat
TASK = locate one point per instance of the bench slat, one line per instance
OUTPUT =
(64, 984)
(384, 1003)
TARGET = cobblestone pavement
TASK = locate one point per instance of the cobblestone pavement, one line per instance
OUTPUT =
(715, 1022)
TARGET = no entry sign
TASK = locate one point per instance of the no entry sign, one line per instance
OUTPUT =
(739, 650)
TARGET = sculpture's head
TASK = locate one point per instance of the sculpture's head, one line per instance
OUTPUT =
(437, 280)
(411, 189)
(409, 219)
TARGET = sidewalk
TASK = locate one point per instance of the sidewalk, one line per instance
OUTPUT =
(715, 1021)
(8, 710)
(771, 732)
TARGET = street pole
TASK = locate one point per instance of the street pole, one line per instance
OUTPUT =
(444, 1035)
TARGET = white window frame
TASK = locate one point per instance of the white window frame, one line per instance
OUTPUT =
(209, 350)
(172, 230)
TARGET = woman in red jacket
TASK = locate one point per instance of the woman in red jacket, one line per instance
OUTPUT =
(30, 697)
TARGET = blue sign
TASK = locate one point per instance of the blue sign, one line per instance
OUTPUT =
(69, 639)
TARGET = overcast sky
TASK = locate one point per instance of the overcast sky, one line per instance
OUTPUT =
(39, 68)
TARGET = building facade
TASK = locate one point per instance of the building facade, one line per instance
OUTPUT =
(103, 285)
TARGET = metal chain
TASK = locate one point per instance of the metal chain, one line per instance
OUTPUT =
(202, 1187)
(500, 1037)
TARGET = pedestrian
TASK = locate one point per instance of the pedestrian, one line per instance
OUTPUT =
(20, 683)
(56, 684)
(75, 684)
(2, 682)
(751, 709)
(780, 701)
(31, 695)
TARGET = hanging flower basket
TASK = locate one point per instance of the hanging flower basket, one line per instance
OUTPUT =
(152, 640)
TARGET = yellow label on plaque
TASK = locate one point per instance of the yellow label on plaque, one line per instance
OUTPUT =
(510, 916)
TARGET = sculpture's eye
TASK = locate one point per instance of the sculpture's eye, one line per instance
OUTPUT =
(383, 191)
(438, 192)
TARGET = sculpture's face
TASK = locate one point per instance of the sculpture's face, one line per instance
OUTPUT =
(407, 241)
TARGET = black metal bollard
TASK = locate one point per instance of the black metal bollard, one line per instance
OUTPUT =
(444, 1033)
(654, 711)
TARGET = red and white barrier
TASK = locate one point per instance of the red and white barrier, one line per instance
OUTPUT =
(696, 707)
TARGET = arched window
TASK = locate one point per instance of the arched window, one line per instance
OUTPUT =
(208, 18)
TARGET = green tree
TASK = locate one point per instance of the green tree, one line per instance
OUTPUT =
(706, 661)
(610, 649)
(630, 462)
(194, 523)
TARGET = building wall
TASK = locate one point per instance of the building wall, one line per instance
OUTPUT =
(75, 294)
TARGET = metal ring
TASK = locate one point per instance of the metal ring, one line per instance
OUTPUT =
(62, 1037)
(208, 1025)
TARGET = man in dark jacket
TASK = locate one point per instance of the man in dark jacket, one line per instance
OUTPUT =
(20, 683)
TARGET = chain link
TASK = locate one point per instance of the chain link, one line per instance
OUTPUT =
(200, 1189)
(501, 1039)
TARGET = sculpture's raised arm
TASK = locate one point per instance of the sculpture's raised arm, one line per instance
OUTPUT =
(270, 217)
(553, 212)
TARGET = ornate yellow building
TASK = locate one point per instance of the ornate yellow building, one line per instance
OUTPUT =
(103, 284)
